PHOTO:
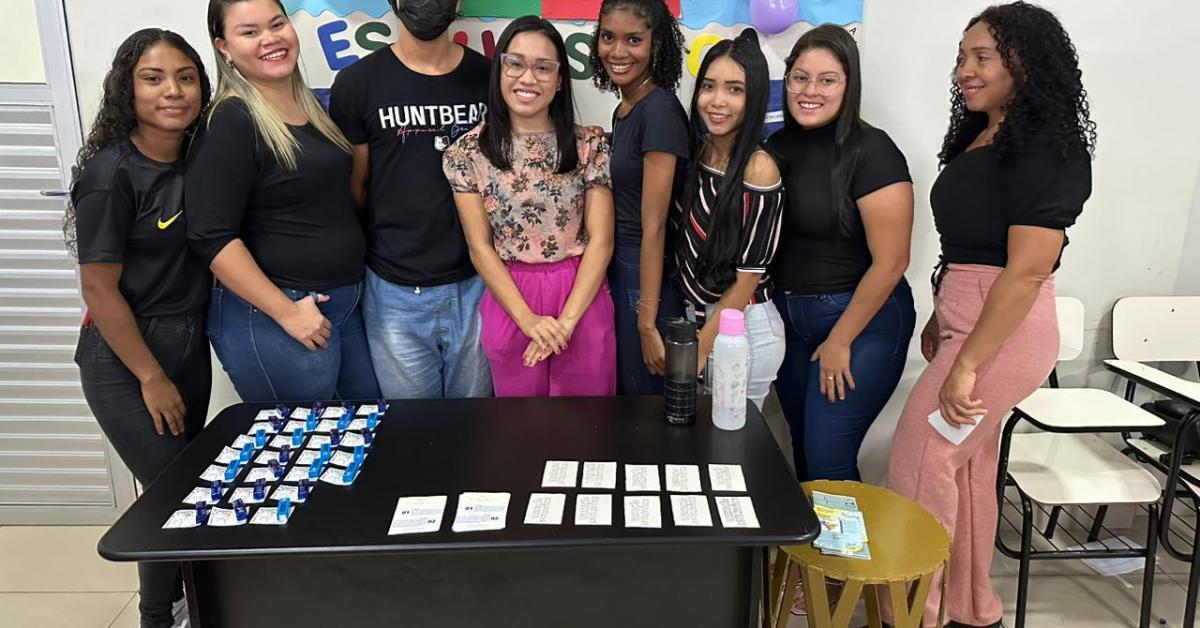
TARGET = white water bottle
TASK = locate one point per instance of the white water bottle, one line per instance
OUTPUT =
(730, 356)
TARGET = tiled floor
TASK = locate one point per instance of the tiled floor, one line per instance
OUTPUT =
(51, 577)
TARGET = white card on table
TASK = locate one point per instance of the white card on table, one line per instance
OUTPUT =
(560, 474)
(287, 491)
(545, 509)
(683, 478)
(481, 511)
(297, 473)
(301, 413)
(954, 433)
(293, 426)
(337, 475)
(643, 511)
(417, 515)
(213, 472)
(246, 494)
(228, 455)
(280, 440)
(357, 424)
(259, 473)
(368, 409)
(641, 478)
(352, 439)
(181, 519)
(316, 440)
(344, 458)
(691, 511)
(242, 439)
(333, 412)
(737, 512)
(325, 425)
(267, 456)
(727, 478)
(267, 415)
(201, 494)
(270, 517)
(307, 456)
(599, 475)
(222, 518)
(267, 427)
(593, 510)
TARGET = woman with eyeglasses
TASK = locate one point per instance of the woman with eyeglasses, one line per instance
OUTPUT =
(847, 226)
(533, 193)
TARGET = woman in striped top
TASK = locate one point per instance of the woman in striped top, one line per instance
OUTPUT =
(731, 209)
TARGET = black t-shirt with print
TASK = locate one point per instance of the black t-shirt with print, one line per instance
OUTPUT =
(407, 119)
(129, 210)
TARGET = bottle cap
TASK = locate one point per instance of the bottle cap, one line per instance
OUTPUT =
(681, 330)
(733, 322)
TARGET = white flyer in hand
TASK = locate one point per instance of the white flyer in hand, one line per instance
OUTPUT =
(481, 511)
(691, 511)
(326, 425)
(228, 455)
(560, 474)
(287, 491)
(267, 427)
(301, 413)
(727, 478)
(954, 433)
(259, 473)
(270, 517)
(246, 494)
(181, 519)
(333, 412)
(683, 478)
(222, 518)
(643, 511)
(267, 415)
(599, 475)
(593, 510)
(545, 509)
(641, 478)
(737, 512)
(213, 472)
(417, 515)
(352, 439)
(201, 494)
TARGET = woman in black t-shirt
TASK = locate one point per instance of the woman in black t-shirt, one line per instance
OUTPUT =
(839, 274)
(639, 54)
(143, 362)
(268, 184)
(1017, 171)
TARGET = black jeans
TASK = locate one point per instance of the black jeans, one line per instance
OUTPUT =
(115, 397)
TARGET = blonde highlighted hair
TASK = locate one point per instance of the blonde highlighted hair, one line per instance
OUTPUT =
(267, 120)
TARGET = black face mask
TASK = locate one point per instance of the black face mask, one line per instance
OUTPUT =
(426, 19)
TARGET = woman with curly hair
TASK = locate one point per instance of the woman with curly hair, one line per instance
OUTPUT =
(143, 359)
(639, 54)
(1016, 173)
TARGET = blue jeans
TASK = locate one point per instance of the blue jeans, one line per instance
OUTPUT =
(425, 341)
(266, 364)
(624, 280)
(826, 436)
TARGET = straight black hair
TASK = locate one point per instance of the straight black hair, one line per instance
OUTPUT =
(496, 138)
(847, 149)
(717, 262)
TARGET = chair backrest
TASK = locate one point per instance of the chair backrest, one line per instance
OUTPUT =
(1070, 328)
(1157, 329)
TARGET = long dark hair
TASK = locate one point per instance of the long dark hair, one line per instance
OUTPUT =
(117, 117)
(496, 138)
(1050, 104)
(666, 42)
(847, 148)
(717, 262)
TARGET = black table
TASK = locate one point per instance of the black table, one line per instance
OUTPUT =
(334, 564)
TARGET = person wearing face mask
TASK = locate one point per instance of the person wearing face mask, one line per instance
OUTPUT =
(1016, 173)
(533, 190)
(839, 274)
(268, 187)
(143, 362)
(400, 107)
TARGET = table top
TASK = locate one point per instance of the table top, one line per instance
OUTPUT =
(1157, 380)
(446, 447)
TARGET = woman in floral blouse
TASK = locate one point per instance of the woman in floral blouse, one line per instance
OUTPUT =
(535, 199)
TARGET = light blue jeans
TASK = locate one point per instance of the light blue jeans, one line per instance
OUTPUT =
(425, 340)
(765, 333)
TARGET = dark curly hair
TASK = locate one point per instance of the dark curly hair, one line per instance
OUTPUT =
(117, 118)
(666, 41)
(1050, 104)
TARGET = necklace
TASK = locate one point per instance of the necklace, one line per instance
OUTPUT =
(627, 101)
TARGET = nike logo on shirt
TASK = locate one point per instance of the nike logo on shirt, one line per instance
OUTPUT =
(167, 223)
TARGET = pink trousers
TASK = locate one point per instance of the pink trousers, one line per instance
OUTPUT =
(588, 367)
(957, 484)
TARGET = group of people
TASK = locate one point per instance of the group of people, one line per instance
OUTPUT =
(447, 229)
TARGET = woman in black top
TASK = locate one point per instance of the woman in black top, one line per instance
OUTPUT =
(839, 274)
(268, 184)
(143, 361)
(639, 54)
(1017, 171)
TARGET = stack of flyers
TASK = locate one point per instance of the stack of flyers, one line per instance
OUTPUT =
(843, 530)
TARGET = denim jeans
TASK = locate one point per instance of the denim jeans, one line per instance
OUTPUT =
(625, 281)
(826, 436)
(114, 395)
(425, 341)
(764, 332)
(266, 364)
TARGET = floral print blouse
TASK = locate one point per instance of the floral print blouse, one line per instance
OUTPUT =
(536, 215)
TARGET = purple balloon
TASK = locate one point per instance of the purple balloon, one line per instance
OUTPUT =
(772, 16)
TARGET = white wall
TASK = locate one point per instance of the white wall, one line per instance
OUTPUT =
(1188, 281)
(20, 50)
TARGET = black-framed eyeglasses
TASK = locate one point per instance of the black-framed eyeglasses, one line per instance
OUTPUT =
(515, 66)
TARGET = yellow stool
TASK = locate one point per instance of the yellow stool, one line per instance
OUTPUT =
(908, 546)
